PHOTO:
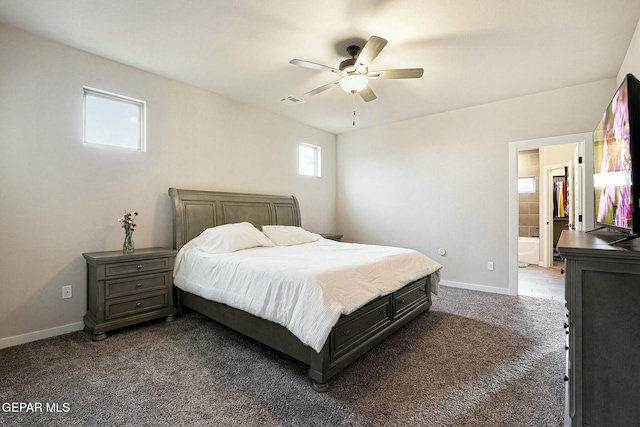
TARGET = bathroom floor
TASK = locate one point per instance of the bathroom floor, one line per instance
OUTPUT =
(540, 282)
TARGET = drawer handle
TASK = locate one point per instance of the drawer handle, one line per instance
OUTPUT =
(566, 325)
(566, 378)
(383, 312)
(138, 304)
(138, 285)
(401, 301)
(139, 266)
(346, 332)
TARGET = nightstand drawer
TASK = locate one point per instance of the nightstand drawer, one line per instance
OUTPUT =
(119, 268)
(410, 297)
(133, 305)
(133, 285)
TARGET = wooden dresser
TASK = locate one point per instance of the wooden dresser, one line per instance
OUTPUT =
(602, 290)
(123, 290)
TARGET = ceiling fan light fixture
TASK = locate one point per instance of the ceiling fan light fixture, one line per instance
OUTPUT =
(353, 83)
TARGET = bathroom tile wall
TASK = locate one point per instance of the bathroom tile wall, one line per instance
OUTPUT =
(529, 203)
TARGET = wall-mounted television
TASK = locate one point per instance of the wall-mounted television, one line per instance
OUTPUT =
(616, 162)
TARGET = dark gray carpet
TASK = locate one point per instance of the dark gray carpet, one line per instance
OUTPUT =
(475, 359)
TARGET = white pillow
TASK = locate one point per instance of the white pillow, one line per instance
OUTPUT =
(285, 235)
(230, 238)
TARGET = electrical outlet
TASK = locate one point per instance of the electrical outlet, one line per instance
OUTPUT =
(67, 291)
(490, 266)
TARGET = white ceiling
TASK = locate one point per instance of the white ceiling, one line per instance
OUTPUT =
(473, 51)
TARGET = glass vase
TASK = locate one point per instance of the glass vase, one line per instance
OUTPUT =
(127, 246)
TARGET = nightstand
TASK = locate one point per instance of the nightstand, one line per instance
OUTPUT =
(123, 290)
(336, 237)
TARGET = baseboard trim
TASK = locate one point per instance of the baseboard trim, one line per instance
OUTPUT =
(39, 335)
(474, 287)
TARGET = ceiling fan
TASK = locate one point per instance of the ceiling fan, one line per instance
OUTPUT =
(354, 72)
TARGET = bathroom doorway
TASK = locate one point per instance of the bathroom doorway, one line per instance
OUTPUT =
(578, 146)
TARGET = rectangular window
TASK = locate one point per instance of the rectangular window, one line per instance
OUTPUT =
(114, 120)
(527, 184)
(308, 159)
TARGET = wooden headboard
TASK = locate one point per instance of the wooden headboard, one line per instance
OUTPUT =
(194, 211)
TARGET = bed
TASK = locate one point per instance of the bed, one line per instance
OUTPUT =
(353, 334)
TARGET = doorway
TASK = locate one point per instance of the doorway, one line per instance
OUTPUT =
(583, 141)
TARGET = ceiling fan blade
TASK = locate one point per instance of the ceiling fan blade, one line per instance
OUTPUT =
(400, 73)
(367, 94)
(315, 66)
(369, 52)
(321, 88)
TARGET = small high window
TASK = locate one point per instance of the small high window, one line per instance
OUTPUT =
(114, 120)
(308, 159)
(527, 184)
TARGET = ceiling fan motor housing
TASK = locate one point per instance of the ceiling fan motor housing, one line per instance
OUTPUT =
(348, 65)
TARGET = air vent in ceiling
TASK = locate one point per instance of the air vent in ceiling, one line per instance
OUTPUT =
(291, 100)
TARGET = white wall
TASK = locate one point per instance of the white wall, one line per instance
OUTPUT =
(631, 63)
(443, 180)
(557, 154)
(60, 198)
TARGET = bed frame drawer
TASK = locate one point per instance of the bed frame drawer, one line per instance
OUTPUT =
(409, 297)
(135, 285)
(364, 323)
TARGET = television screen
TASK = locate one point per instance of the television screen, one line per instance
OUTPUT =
(612, 147)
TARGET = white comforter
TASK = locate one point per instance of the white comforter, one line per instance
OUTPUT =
(303, 287)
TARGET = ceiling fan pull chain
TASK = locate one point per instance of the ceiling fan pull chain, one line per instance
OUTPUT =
(353, 93)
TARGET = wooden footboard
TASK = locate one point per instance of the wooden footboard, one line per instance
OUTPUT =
(351, 337)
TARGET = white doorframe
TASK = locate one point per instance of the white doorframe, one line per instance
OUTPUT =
(581, 138)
